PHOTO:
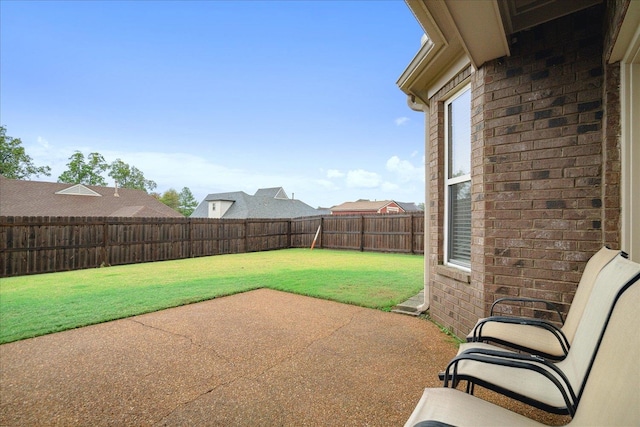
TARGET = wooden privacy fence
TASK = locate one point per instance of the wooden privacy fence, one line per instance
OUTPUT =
(32, 245)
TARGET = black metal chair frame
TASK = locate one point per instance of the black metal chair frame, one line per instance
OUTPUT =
(530, 362)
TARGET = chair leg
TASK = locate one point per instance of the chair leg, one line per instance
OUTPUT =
(470, 387)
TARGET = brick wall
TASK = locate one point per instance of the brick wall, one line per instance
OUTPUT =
(544, 159)
(539, 161)
(454, 299)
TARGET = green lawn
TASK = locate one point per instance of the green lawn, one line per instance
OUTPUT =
(46, 303)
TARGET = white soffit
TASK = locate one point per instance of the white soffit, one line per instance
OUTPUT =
(627, 34)
(480, 27)
(524, 14)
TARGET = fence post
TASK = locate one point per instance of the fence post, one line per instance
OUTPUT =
(189, 240)
(246, 233)
(411, 251)
(105, 241)
(361, 233)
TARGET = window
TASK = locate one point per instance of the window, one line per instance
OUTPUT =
(457, 241)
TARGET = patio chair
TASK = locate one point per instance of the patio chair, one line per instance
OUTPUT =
(553, 387)
(610, 395)
(537, 336)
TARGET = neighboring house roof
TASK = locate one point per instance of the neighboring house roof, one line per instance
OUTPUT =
(36, 198)
(409, 206)
(275, 192)
(362, 206)
(373, 206)
(265, 203)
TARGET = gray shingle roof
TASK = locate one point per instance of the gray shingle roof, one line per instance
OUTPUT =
(266, 203)
(409, 206)
(36, 198)
(275, 192)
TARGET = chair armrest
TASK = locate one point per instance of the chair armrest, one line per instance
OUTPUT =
(554, 330)
(525, 300)
(513, 360)
(432, 423)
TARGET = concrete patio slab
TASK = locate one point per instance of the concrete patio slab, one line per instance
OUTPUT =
(258, 358)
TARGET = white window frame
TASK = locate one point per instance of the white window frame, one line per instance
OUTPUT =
(448, 182)
(630, 148)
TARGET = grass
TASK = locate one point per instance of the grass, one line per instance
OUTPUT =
(41, 304)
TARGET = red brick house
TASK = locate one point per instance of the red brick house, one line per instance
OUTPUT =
(531, 112)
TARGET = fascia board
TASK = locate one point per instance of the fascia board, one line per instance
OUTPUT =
(442, 49)
(424, 13)
(434, 43)
(419, 62)
(428, 75)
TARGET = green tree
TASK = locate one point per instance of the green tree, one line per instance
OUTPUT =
(130, 177)
(14, 161)
(83, 171)
(171, 198)
(186, 202)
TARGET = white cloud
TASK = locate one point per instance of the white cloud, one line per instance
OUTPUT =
(177, 170)
(334, 173)
(326, 184)
(401, 121)
(404, 170)
(360, 178)
(43, 142)
(389, 187)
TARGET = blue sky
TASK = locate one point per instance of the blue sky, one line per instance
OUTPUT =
(220, 95)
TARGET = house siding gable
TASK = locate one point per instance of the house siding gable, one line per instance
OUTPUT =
(281, 194)
(391, 208)
(78, 190)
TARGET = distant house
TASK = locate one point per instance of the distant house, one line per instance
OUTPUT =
(35, 198)
(364, 207)
(265, 203)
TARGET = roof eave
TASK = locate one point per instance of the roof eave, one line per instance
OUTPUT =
(475, 31)
(454, 40)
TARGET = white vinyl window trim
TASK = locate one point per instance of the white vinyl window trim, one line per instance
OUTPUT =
(630, 147)
(457, 217)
